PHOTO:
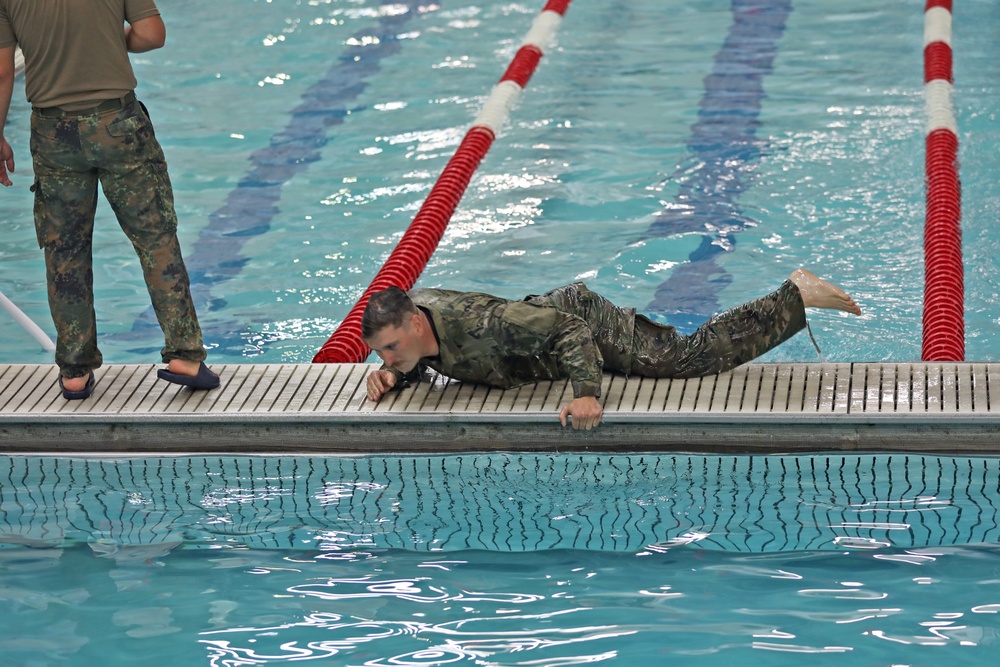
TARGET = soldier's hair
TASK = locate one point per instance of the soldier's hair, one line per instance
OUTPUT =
(386, 308)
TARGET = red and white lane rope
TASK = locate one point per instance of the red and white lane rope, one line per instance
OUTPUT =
(421, 238)
(944, 291)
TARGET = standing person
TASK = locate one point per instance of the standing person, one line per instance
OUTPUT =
(87, 127)
(575, 334)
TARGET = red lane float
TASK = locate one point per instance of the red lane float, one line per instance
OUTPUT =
(421, 238)
(944, 290)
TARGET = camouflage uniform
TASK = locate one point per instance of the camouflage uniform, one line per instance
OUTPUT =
(71, 153)
(573, 333)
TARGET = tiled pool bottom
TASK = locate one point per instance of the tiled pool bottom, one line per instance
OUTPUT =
(948, 408)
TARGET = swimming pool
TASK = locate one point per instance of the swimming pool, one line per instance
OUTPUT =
(303, 139)
(503, 559)
(543, 560)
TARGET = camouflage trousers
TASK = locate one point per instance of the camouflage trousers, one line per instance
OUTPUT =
(633, 344)
(118, 149)
(726, 341)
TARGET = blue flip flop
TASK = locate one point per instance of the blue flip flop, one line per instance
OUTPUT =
(205, 379)
(71, 395)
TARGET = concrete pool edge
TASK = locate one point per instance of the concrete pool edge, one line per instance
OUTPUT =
(321, 408)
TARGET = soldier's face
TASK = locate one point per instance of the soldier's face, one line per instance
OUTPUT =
(397, 346)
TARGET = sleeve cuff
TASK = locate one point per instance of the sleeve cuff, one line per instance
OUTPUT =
(581, 389)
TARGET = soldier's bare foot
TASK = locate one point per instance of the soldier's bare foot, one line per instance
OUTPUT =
(75, 384)
(185, 367)
(817, 293)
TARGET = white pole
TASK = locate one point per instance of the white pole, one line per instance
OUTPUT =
(25, 321)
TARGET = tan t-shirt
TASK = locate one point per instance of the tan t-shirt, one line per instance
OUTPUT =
(74, 50)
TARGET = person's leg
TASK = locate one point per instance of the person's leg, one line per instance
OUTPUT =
(727, 340)
(134, 177)
(65, 201)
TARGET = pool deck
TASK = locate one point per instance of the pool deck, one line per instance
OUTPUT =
(321, 408)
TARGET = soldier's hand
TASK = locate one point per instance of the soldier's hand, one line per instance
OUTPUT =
(586, 412)
(380, 382)
(6, 162)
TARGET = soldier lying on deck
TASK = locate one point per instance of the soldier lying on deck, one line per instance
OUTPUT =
(573, 333)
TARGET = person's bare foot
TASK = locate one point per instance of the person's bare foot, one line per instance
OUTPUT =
(75, 384)
(817, 293)
(183, 367)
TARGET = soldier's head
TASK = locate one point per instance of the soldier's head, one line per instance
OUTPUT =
(394, 329)
(390, 307)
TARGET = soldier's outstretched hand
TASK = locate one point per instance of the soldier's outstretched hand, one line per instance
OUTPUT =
(379, 382)
(586, 412)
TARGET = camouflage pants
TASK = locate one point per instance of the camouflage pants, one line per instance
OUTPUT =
(726, 341)
(117, 148)
(632, 344)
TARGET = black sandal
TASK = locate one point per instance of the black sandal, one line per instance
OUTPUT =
(71, 395)
(205, 379)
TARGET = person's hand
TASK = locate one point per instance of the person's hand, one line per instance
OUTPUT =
(6, 162)
(380, 382)
(586, 412)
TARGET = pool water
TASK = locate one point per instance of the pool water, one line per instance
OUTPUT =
(478, 608)
(504, 559)
(303, 137)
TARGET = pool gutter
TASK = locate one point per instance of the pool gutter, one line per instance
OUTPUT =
(322, 409)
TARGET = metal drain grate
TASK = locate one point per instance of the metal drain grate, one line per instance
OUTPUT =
(133, 392)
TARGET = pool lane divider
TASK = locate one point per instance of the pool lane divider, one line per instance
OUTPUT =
(944, 291)
(406, 262)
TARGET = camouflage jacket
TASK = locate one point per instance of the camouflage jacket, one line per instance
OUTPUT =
(503, 343)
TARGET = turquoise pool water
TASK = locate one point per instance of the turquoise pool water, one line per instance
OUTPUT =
(503, 559)
(302, 138)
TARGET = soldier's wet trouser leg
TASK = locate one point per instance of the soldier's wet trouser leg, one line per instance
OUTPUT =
(136, 184)
(724, 342)
(65, 200)
(70, 154)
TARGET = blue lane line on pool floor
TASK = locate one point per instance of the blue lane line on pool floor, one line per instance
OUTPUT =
(253, 204)
(724, 144)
